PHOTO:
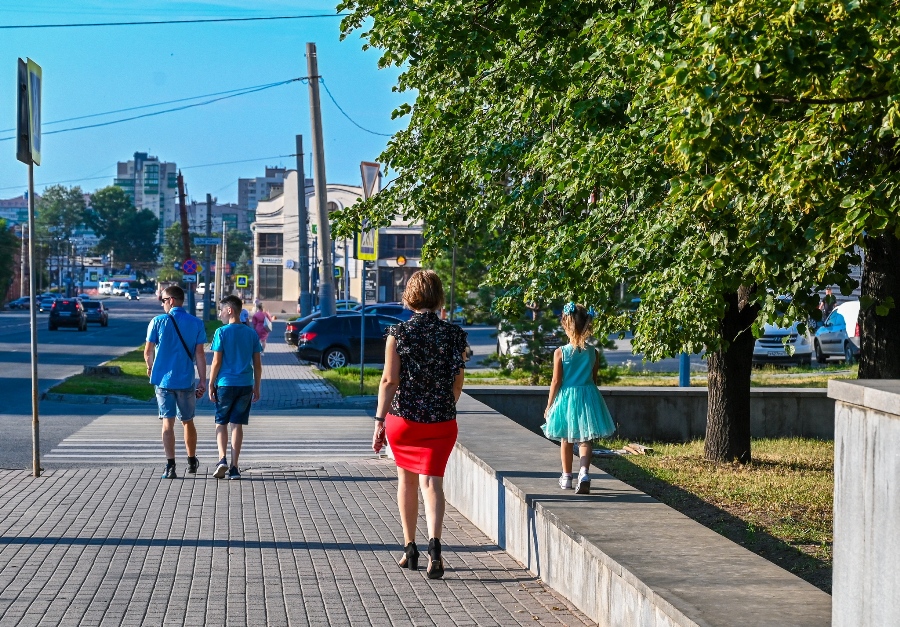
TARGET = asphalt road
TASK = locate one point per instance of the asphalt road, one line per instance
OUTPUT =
(61, 354)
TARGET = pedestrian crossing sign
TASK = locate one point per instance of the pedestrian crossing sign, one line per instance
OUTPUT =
(367, 243)
(241, 280)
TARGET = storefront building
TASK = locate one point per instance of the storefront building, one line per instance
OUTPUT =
(277, 254)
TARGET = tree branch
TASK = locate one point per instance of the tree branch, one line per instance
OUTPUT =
(820, 101)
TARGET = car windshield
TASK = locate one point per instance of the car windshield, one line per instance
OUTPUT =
(91, 305)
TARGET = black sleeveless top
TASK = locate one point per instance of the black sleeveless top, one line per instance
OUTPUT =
(431, 355)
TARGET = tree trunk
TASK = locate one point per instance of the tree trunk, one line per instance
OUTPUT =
(728, 412)
(880, 335)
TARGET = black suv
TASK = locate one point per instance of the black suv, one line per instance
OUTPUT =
(334, 341)
(96, 311)
(68, 312)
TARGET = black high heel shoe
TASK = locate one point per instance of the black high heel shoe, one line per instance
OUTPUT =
(410, 558)
(435, 563)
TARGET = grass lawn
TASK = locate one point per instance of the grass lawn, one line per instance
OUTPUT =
(346, 380)
(132, 382)
(779, 506)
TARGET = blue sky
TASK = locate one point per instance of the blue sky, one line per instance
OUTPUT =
(92, 70)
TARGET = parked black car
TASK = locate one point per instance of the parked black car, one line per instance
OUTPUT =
(334, 341)
(293, 328)
(96, 311)
(68, 312)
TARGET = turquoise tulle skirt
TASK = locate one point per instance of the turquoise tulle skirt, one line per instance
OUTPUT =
(578, 414)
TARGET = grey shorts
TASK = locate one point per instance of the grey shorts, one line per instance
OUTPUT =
(176, 403)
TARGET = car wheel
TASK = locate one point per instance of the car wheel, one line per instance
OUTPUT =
(52, 327)
(806, 361)
(104, 323)
(848, 353)
(335, 358)
(83, 327)
(820, 356)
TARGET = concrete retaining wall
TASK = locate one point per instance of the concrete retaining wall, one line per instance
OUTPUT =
(866, 503)
(617, 554)
(676, 414)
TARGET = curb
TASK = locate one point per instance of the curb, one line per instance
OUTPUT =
(92, 399)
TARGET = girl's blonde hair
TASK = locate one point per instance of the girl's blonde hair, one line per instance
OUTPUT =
(578, 324)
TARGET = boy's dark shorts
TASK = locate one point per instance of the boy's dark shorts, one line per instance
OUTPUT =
(234, 404)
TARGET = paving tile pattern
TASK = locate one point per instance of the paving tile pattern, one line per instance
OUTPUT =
(286, 382)
(310, 544)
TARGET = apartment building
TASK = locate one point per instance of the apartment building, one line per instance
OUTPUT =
(151, 184)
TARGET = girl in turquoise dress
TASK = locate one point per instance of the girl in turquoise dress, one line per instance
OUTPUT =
(575, 410)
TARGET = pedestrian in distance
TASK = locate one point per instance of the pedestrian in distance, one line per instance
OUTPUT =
(575, 410)
(174, 347)
(245, 317)
(423, 378)
(828, 303)
(234, 380)
(262, 323)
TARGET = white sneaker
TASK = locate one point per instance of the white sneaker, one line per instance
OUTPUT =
(584, 483)
(565, 481)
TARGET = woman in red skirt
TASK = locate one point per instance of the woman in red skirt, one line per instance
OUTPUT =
(423, 378)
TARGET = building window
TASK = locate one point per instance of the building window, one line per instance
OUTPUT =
(392, 282)
(392, 246)
(269, 244)
(270, 278)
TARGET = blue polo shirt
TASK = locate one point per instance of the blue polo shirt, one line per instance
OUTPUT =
(172, 368)
(237, 342)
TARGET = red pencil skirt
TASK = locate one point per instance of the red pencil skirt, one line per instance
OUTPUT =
(419, 447)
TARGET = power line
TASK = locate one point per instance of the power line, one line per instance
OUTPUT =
(154, 113)
(352, 121)
(187, 167)
(158, 22)
(147, 106)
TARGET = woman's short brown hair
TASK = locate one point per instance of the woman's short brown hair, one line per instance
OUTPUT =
(424, 291)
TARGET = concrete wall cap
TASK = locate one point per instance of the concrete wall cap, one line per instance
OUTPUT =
(878, 394)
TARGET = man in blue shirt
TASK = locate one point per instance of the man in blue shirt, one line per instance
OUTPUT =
(234, 379)
(174, 345)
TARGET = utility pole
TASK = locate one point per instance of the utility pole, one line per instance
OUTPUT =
(186, 239)
(326, 271)
(208, 313)
(224, 258)
(303, 219)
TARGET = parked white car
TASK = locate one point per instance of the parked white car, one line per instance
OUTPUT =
(771, 348)
(839, 334)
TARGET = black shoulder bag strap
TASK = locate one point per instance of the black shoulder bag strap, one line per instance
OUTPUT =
(180, 337)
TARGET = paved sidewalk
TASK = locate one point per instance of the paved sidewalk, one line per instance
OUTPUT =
(286, 382)
(292, 544)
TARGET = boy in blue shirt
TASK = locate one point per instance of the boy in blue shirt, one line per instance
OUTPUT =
(234, 379)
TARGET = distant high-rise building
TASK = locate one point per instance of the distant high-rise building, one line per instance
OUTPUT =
(15, 210)
(152, 185)
(251, 191)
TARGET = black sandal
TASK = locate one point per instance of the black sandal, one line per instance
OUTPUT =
(435, 563)
(410, 558)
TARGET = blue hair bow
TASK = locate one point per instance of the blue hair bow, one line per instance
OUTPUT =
(569, 308)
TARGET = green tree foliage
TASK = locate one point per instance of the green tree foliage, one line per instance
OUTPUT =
(712, 155)
(9, 246)
(127, 233)
(59, 212)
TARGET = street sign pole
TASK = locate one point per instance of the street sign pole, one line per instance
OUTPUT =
(28, 151)
(35, 418)
(370, 173)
